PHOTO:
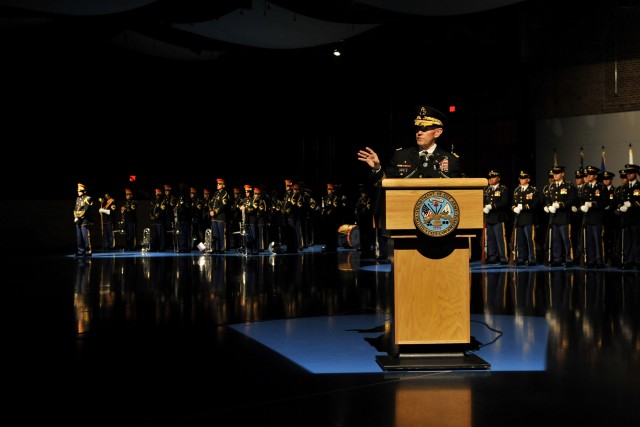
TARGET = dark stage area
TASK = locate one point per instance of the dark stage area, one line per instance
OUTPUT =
(149, 338)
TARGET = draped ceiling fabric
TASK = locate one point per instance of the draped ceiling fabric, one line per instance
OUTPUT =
(180, 29)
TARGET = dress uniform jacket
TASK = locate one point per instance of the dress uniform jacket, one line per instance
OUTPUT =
(565, 195)
(529, 198)
(597, 197)
(498, 198)
(409, 163)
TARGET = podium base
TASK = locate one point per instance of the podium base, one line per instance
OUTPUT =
(433, 362)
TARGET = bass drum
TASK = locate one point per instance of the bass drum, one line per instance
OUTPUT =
(349, 236)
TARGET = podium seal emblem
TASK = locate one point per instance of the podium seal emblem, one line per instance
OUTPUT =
(436, 213)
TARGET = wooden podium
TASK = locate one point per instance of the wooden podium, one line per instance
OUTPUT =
(431, 277)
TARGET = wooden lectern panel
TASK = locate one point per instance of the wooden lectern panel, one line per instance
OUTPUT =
(432, 298)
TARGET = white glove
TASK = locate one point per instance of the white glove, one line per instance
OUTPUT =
(584, 208)
(589, 204)
(485, 210)
(518, 209)
(556, 205)
(552, 209)
(627, 204)
(105, 211)
(546, 209)
(487, 207)
(520, 206)
(76, 219)
(574, 209)
(623, 208)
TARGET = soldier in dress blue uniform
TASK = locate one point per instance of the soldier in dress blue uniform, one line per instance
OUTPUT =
(218, 211)
(562, 196)
(577, 215)
(543, 220)
(628, 205)
(170, 218)
(182, 219)
(157, 217)
(526, 200)
(593, 201)
(108, 212)
(617, 239)
(82, 220)
(129, 214)
(608, 231)
(426, 159)
(496, 215)
(329, 219)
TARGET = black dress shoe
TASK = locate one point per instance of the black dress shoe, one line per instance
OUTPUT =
(567, 264)
(555, 264)
(520, 263)
(531, 263)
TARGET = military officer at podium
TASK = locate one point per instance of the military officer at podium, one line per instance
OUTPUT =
(426, 159)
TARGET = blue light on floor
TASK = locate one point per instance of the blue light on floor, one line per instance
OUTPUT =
(336, 344)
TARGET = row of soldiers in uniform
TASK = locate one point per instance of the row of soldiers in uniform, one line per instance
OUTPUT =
(253, 222)
(589, 222)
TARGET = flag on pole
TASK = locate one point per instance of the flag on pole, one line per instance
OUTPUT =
(581, 166)
(603, 163)
(555, 158)
(630, 155)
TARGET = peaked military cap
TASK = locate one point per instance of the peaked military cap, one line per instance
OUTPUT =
(429, 116)
(523, 175)
(558, 169)
(493, 173)
(591, 170)
(608, 175)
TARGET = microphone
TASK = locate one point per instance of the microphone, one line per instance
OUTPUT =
(424, 156)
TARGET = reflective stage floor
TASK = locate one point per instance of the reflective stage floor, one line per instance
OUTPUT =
(131, 338)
